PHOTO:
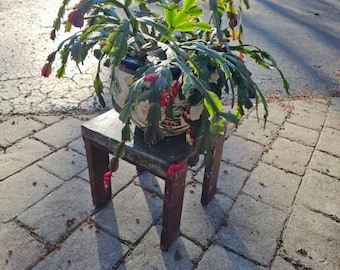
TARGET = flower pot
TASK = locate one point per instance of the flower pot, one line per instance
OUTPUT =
(169, 126)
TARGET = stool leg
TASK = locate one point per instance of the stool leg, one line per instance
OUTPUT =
(212, 162)
(98, 162)
(172, 209)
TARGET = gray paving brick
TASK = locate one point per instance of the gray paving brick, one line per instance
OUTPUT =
(335, 104)
(21, 154)
(311, 104)
(315, 234)
(241, 152)
(329, 141)
(151, 183)
(320, 192)
(48, 119)
(288, 155)
(333, 119)
(78, 145)
(325, 163)
(272, 186)
(252, 229)
(148, 254)
(61, 133)
(218, 258)
(18, 250)
(69, 163)
(23, 189)
(57, 214)
(17, 128)
(130, 214)
(86, 248)
(277, 113)
(84, 175)
(298, 134)
(281, 264)
(201, 222)
(230, 179)
(254, 130)
(307, 117)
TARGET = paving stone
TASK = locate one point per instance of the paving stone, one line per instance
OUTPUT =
(254, 130)
(277, 113)
(241, 152)
(335, 104)
(311, 104)
(201, 222)
(288, 155)
(218, 258)
(307, 117)
(272, 186)
(84, 175)
(18, 250)
(61, 133)
(148, 254)
(60, 212)
(281, 264)
(78, 145)
(298, 134)
(230, 179)
(86, 248)
(252, 229)
(317, 236)
(17, 128)
(20, 191)
(130, 214)
(325, 163)
(333, 119)
(150, 182)
(69, 163)
(320, 192)
(329, 141)
(48, 119)
(21, 154)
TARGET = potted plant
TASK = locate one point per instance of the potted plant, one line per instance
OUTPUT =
(182, 59)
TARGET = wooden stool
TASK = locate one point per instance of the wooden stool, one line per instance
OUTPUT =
(103, 133)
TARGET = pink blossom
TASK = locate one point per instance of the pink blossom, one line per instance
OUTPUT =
(151, 77)
(175, 89)
(76, 18)
(165, 99)
(107, 179)
(175, 168)
(46, 70)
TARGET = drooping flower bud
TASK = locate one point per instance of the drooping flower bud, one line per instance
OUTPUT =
(175, 89)
(107, 179)
(46, 70)
(151, 77)
(175, 168)
(165, 99)
(76, 18)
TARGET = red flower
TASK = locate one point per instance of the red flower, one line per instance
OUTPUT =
(174, 168)
(241, 55)
(76, 18)
(151, 77)
(107, 179)
(165, 99)
(46, 70)
(174, 89)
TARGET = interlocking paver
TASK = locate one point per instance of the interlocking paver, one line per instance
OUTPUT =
(69, 163)
(86, 248)
(298, 134)
(218, 258)
(20, 191)
(272, 186)
(147, 255)
(288, 155)
(333, 119)
(57, 214)
(20, 155)
(329, 141)
(18, 250)
(61, 133)
(240, 152)
(325, 163)
(281, 264)
(252, 229)
(320, 192)
(335, 104)
(277, 112)
(316, 237)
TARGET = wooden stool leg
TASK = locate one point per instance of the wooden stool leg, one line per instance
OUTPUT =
(98, 162)
(212, 162)
(172, 209)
